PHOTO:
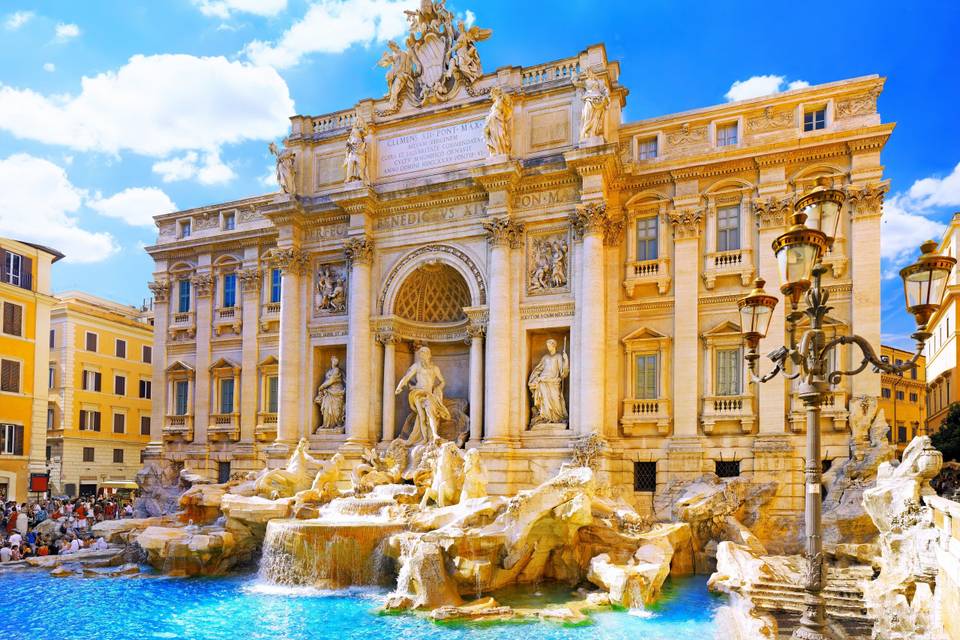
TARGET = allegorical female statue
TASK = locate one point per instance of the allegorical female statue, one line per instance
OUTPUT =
(286, 169)
(425, 397)
(331, 395)
(498, 125)
(355, 157)
(546, 385)
(596, 99)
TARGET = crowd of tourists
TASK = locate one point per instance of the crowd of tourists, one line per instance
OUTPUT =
(55, 527)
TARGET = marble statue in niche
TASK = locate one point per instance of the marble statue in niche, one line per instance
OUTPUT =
(355, 156)
(286, 169)
(331, 290)
(331, 396)
(498, 125)
(425, 397)
(596, 99)
(548, 264)
(546, 386)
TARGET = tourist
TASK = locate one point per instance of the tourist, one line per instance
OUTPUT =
(5, 552)
(15, 539)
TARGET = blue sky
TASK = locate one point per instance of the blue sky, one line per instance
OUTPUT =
(113, 111)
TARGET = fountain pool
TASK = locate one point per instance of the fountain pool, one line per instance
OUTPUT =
(153, 607)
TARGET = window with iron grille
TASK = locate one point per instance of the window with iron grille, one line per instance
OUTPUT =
(645, 476)
(728, 468)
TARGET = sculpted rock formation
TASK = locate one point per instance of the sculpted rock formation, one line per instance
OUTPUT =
(295, 477)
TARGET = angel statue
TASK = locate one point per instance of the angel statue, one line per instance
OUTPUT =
(401, 72)
(286, 169)
(464, 56)
(355, 158)
(498, 125)
(596, 99)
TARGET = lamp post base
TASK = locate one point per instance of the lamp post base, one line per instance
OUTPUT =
(813, 623)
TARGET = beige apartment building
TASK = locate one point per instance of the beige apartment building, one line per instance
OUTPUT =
(942, 349)
(101, 386)
(484, 216)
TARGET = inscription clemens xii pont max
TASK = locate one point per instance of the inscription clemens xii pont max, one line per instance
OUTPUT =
(454, 144)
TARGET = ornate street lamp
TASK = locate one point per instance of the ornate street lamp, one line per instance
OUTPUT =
(799, 252)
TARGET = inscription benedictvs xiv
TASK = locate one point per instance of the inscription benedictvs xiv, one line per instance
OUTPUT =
(450, 145)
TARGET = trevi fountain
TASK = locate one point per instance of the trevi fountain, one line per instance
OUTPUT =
(474, 410)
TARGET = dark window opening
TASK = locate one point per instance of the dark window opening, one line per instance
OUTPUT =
(645, 476)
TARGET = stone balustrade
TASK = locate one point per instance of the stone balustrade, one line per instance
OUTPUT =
(738, 262)
(727, 409)
(266, 429)
(224, 425)
(647, 272)
(645, 412)
(832, 407)
(179, 427)
(562, 70)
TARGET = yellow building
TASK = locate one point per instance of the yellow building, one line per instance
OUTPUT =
(25, 302)
(100, 390)
(941, 350)
(903, 398)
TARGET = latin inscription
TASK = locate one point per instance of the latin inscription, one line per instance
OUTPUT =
(328, 231)
(454, 144)
(430, 216)
(545, 198)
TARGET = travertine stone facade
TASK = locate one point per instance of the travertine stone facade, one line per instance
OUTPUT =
(655, 228)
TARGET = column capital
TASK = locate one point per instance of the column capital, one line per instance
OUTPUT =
(358, 250)
(202, 283)
(867, 199)
(589, 218)
(250, 279)
(386, 337)
(613, 235)
(290, 260)
(503, 232)
(773, 212)
(687, 223)
(160, 290)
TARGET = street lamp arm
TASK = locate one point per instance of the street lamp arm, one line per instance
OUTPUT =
(869, 357)
(780, 357)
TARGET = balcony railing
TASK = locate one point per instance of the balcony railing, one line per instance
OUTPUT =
(334, 121)
(738, 262)
(224, 425)
(178, 427)
(266, 426)
(647, 272)
(727, 409)
(833, 407)
(269, 315)
(228, 318)
(640, 413)
(182, 322)
(563, 70)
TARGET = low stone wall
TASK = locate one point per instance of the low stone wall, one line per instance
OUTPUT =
(946, 517)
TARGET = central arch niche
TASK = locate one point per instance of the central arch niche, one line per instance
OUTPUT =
(434, 293)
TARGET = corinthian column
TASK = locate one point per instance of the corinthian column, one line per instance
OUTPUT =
(292, 262)
(590, 224)
(389, 409)
(475, 331)
(687, 225)
(359, 251)
(158, 408)
(503, 235)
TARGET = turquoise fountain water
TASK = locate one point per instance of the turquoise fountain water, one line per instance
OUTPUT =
(39, 607)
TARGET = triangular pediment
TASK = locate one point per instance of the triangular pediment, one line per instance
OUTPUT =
(180, 365)
(224, 363)
(725, 328)
(269, 361)
(644, 333)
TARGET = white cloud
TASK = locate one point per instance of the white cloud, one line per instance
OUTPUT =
(904, 228)
(937, 192)
(66, 31)
(269, 178)
(17, 19)
(49, 67)
(38, 199)
(211, 171)
(135, 206)
(332, 26)
(223, 8)
(155, 106)
(757, 86)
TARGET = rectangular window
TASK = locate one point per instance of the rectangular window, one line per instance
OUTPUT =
(183, 296)
(913, 373)
(12, 319)
(273, 386)
(229, 221)
(885, 393)
(91, 381)
(144, 425)
(647, 238)
(728, 372)
(185, 228)
(226, 395)
(230, 290)
(121, 348)
(91, 341)
(88, 454)
(50, 417)
(645, 374)
(815, 119)
(146, 390)
(53, 338)
(52, 378)
(647, 149)
(119, 423)
(120, 385)
(728, 468)
(13, 269)
(728, 228)
(726, 134)
(223, 472)
(645, 476)
(10, 376)
(147, 354)
(913, 397)
(899, 395)
(11, 439)
(180, 389)
(275, 280)
(118, 456)
(89, 420)
(901, 432)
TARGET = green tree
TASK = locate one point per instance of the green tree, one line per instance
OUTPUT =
(947, 439)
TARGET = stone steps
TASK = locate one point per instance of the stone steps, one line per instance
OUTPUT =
(844, 598)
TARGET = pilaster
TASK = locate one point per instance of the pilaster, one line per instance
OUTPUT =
(687, 226)
(251, 280)
(160, 288)
(202, 284)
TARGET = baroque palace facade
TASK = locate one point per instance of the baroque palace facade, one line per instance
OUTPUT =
(570, 273)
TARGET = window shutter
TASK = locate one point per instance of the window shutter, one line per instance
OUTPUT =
(10, 376)
(12, 319)
(97, 379)
(96, 421)
(83, 419)
(148, 354)
(4, 276)
(18, 439)
(26, 277)
(3, 435)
